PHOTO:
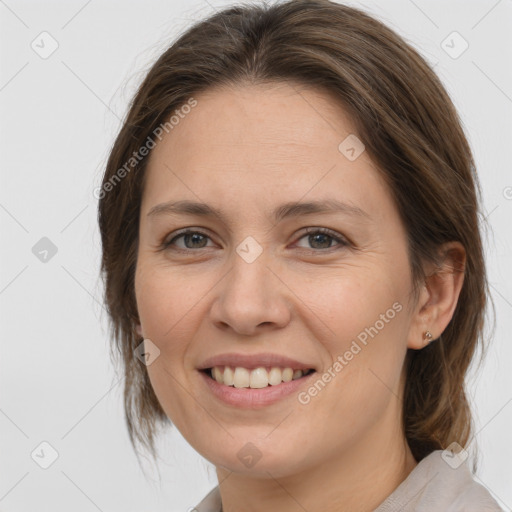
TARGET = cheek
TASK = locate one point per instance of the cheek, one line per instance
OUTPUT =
(166, 303)
(169, 308)
(365, 322)
(356, 304)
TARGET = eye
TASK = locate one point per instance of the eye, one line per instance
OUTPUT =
(317, 238)
(191, 239)
(322, 238)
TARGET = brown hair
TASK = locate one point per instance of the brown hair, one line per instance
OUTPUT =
(410, 129)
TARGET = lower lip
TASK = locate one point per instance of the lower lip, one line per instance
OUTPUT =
(254, 398)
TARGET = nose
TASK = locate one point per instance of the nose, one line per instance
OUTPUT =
(251, 298)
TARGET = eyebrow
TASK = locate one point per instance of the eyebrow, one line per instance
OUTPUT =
(284, 211)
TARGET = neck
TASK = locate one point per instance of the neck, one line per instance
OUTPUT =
(357, 480)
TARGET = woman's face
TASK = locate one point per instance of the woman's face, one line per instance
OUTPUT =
(259, 278)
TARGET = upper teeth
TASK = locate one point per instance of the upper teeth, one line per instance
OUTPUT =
(256, 378)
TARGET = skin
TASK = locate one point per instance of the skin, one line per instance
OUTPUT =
(246, 150)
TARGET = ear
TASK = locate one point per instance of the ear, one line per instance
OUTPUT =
(138, 330)
(438, 296)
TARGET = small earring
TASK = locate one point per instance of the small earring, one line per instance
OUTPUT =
(427, 336)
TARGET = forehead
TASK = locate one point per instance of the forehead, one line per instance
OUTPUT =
(283, 118)
(260, 144)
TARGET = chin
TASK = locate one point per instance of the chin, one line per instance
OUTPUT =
(259, 458)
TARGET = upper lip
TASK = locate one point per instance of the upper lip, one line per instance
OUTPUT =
(251, 361)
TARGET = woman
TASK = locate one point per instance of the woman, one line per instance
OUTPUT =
(293, 266)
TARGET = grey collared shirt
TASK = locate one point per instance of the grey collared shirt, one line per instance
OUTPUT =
(432, 486)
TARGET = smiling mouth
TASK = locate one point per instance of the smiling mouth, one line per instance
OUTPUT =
(255, 378)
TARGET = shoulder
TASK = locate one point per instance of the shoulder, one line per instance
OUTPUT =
(439, 484)
(210, 503)
(434, 484)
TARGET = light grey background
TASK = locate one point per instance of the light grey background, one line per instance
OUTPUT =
(58, 119)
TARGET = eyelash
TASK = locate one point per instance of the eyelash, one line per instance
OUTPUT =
(342, 242)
